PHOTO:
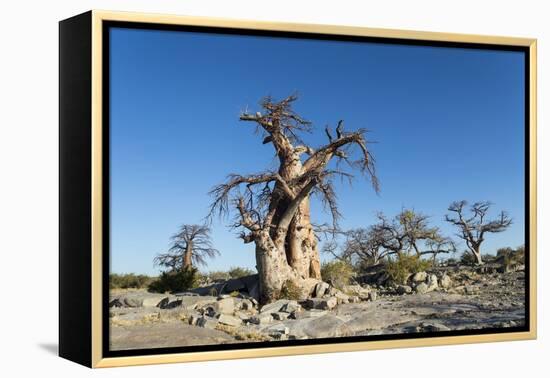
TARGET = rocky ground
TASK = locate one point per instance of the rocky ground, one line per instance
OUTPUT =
(446, 298)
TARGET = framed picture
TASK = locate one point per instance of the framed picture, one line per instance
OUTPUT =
(234, 189)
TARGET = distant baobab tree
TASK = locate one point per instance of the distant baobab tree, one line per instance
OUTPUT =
(273, 207)
(474, 226)
(190, 246)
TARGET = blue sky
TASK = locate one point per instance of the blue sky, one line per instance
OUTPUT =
(447, 122)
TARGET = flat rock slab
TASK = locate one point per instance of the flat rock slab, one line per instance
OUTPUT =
(163, 335)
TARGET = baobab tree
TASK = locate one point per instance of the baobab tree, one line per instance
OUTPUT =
(189, 247)
(273, 207)
(474, 226)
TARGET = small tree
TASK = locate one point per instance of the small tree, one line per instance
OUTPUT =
(361, 247)
(190, 246)
(474, 226)
(409, 233)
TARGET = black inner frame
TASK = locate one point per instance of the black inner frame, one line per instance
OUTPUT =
(107, 25)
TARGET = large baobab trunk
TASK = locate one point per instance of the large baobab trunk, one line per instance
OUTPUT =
(300, 245)
(301, 250)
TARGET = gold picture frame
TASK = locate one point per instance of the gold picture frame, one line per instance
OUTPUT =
(90, 268)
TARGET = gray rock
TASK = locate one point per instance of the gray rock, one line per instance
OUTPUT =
(187, 302)
(341, 297)
(247, 304)
(277, 305)
(262, 318)
(115, 303)
(419, 277)
(225, 306)
(280, 315)
(325, 326)
(309, 314)
(404, 289)
(445, 281)
(321, 289)
(432, 282)
(193, 319)
(167, 304)
(132, 302)
(229, 320)
(277, 329)
(372, 296)
(153, 301)
(322, 303)
(421, 288)
(291, 307)
(433, 327)
(207, 322)
(357, 290)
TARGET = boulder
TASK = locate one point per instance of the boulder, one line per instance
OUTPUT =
(322, 303)
(247, 304)
(262, 318)
(432, 282)
(291, 307)
(277, 329)
(115, 303)
(225, 306)
(229, 320)
(419, 277)
(421, 288)
(357, 290)
(309, 314)
(432, 327)
(372, 296)
(341, 297)
(152, 300)
(404, 289)
(280, 315)
(207, 322)
(445, 281)
(187, 302)
(277, 305)
(321, 289)
(193, 319)
(325, 326)
(165, 305)
(132, 301)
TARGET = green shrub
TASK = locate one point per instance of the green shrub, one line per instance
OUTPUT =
(238, 272)
(290, 291)
(510, 258)
(399, 269)
(337, 272)
(129, 281)
(175, 281)
(468, 258)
